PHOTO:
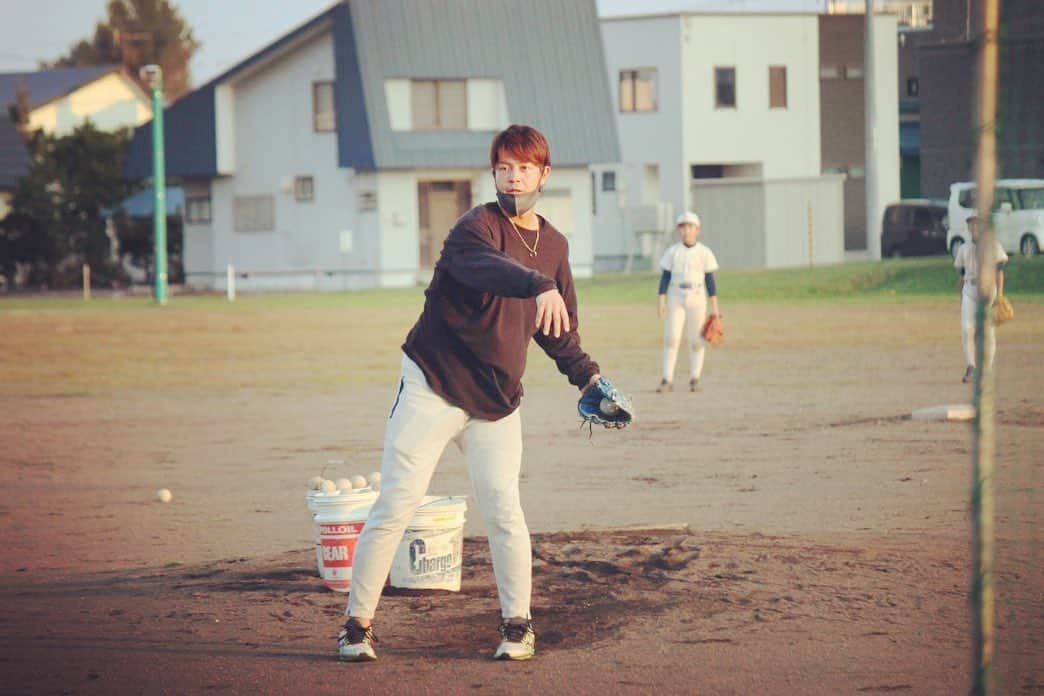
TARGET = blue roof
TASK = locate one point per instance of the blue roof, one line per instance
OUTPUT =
(46, 85)
(14, 156)
(140, 205)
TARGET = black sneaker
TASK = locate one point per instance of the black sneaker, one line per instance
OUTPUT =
(354, 642)
(664, 387)
(694, 384)
(969, 375)
(517, 640)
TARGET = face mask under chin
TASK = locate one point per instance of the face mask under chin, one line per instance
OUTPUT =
(516, 204)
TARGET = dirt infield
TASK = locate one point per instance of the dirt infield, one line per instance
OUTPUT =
(815, 541)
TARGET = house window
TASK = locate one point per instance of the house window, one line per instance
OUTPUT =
(638, 90)
(304, 188)
(197, 210)
(608, 181)
(829, 72)
(777, 87)
(324, 117)
(725, 88)
(913, 87)
(255, 213)
(439, 104)
(853, 72)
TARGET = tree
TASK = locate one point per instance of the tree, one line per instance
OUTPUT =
(137, 33)
(56, 221)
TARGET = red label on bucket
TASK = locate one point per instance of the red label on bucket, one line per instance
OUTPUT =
(337, 542)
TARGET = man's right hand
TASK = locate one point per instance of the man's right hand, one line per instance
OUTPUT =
(552, 315)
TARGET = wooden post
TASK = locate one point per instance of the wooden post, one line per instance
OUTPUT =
(86, 282)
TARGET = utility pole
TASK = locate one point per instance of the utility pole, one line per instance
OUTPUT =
(152, 75)
(981, 513)
(873, 212)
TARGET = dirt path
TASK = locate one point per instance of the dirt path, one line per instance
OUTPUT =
(827, 550)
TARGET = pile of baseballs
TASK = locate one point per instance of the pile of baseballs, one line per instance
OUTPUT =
(352, 484)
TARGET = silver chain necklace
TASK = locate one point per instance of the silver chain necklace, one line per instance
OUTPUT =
(531, 249)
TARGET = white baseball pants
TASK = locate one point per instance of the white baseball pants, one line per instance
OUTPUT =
(684, 307)
(969, 294)
(421, 424)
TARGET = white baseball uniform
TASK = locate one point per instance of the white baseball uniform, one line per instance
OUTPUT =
(966, 259)
(422, 423)
(686, 302)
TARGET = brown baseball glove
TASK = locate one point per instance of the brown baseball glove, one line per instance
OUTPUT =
(713, 330)
(1002, 311)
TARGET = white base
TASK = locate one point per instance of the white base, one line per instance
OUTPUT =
(953, 412)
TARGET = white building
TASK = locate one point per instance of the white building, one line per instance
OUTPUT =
(341, 155)
(702, 96)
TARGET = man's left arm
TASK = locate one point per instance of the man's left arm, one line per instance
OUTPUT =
(565, 350)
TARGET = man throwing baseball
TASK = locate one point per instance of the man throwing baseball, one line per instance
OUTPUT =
(502, 279)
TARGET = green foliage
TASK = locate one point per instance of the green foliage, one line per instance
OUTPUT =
(137, 33)
(56, 222)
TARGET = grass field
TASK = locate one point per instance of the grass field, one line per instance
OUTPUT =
(64, 345)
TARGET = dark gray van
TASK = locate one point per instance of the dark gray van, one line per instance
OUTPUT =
(914, 227)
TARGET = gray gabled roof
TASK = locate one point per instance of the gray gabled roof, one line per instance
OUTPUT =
(547, 52)
(47, 85)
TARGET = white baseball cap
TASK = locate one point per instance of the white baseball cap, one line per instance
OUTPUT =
(687, 218)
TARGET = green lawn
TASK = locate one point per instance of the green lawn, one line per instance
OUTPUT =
(865, 281)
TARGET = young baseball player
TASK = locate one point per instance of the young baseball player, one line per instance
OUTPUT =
(686, 283)
(967, 263)
(502, 279)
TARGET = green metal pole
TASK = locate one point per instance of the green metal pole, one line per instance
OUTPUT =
(159, 188)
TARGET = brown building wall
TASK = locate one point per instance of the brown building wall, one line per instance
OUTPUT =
(949, 75)
(842, 117)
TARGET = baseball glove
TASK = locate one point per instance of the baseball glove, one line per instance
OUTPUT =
(1002, 311)
(602, 404)
(713, 330)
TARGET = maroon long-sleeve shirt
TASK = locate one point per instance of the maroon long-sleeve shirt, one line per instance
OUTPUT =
(472, 337)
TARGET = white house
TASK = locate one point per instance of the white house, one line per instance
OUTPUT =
(63, 98)
(724, 112)
(59, 100)
(340, 155)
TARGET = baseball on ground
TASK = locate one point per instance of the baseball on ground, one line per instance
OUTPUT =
(164, 496)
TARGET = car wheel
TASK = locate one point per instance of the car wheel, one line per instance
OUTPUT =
(955, 246)
(1028, 246)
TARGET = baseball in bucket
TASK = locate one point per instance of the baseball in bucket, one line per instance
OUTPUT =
(339, 518)
(430, 555)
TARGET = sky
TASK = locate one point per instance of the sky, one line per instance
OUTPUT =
(232, 30)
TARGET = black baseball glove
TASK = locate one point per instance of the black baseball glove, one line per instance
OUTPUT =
(602, 404)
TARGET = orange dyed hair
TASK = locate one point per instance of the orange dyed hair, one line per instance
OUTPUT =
(524, 143)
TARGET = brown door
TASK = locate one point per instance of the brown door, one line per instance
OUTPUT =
(440, 204)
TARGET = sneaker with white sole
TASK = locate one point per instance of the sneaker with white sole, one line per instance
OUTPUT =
(354, 642)
(517, 640)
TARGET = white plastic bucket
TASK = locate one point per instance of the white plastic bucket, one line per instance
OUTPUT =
(431, 551)
(338, 517)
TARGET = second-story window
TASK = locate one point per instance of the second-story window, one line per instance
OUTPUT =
(777, 86)
(638, 90)
(439, 104)
(323, 114)
(725, 88)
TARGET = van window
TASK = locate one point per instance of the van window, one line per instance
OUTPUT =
(922, 219)
(1032, 198)
(966, 198)
(894, 215)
